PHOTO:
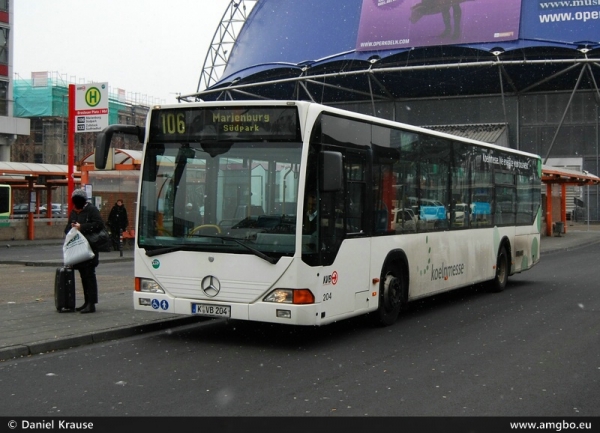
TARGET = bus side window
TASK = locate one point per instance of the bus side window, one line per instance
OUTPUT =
(381, 219)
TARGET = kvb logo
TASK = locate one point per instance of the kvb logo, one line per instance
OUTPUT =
(330, 279)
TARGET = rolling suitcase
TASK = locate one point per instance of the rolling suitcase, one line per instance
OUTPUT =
(64, 290)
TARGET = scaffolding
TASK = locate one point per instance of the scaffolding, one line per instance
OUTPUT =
(46, 94)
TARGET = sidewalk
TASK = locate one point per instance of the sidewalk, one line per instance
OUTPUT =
(31, 327)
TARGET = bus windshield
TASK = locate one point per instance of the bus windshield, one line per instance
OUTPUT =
(219, 192)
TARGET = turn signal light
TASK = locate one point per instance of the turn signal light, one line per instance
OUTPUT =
(303, 296)
(290, 296)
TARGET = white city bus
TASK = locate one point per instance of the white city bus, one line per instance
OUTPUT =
(402, 212)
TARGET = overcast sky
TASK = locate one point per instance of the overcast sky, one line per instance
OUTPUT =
(149, 47)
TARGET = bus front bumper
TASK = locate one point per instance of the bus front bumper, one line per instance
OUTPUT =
(289, 314)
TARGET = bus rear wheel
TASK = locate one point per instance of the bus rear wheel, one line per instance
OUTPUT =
(390, 298)
(499, 282)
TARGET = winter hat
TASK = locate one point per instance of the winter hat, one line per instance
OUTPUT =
(79, 198)
(79, 192)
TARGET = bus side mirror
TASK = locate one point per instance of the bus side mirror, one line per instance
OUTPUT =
(331, 171)
(104, 138)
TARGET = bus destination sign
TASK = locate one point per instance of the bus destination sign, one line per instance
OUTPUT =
(224, 123)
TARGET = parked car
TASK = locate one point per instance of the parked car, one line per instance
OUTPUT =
(405, 219)
(22, 209)
(461, 210)
(59, 210)
(432, 213)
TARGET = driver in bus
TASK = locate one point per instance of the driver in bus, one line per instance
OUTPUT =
(309, 224)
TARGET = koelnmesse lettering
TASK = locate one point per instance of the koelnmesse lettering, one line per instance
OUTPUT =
(59, 424)
(445, 272)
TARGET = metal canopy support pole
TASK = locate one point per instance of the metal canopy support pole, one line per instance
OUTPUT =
(30, 223)
(563, 206)
(583, 69)
(49, 204)
(548, 209)
(588, 206)
(597, 98)
(502, 92)
(371, 92)
(301, 83)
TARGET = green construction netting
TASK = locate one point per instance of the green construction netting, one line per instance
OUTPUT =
(51, 100)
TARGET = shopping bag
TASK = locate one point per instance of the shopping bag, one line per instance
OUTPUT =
(76, 248)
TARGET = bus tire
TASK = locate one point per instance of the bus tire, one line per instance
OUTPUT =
(391, 292)
(499, 282)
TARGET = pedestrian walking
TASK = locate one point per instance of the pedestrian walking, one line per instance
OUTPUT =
(117, 221)
(86, 218)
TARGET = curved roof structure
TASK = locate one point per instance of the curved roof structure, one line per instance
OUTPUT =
(18, 174)
(121, 157)
(28, 168)
(330, 51)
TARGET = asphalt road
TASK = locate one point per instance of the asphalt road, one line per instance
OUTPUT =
(529, 351)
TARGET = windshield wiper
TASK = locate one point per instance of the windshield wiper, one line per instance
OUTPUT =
(173, 249)
(249, 248)
(167, 250)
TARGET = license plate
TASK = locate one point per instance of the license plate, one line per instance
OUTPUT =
(211, 310)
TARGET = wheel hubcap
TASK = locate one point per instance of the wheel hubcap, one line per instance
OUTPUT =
(502, 270)
(391, 292)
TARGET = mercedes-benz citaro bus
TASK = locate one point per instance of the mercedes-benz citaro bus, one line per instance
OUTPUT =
(285, 212)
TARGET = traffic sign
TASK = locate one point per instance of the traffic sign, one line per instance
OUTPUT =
(91, 107)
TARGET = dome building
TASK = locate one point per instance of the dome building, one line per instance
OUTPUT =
(522, 74)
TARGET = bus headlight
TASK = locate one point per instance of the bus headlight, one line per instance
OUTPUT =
(147, 286)
(290, 296)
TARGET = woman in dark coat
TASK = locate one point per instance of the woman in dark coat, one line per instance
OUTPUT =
(86, 218)
(117, 221)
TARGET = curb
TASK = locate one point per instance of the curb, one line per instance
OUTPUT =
(18, 351)
(570, 247)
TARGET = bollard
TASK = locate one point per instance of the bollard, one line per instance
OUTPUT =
(558, 228)
(120, 242)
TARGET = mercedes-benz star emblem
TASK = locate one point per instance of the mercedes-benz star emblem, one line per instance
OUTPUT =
(211, 286)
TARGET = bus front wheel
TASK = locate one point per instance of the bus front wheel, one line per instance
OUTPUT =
(390, 298)
(499, 282)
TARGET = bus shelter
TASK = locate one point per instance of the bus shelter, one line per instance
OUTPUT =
(118, 181)
(556, 180)
(35, 178)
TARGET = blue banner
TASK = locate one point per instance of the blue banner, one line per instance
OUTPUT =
(569, 21)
